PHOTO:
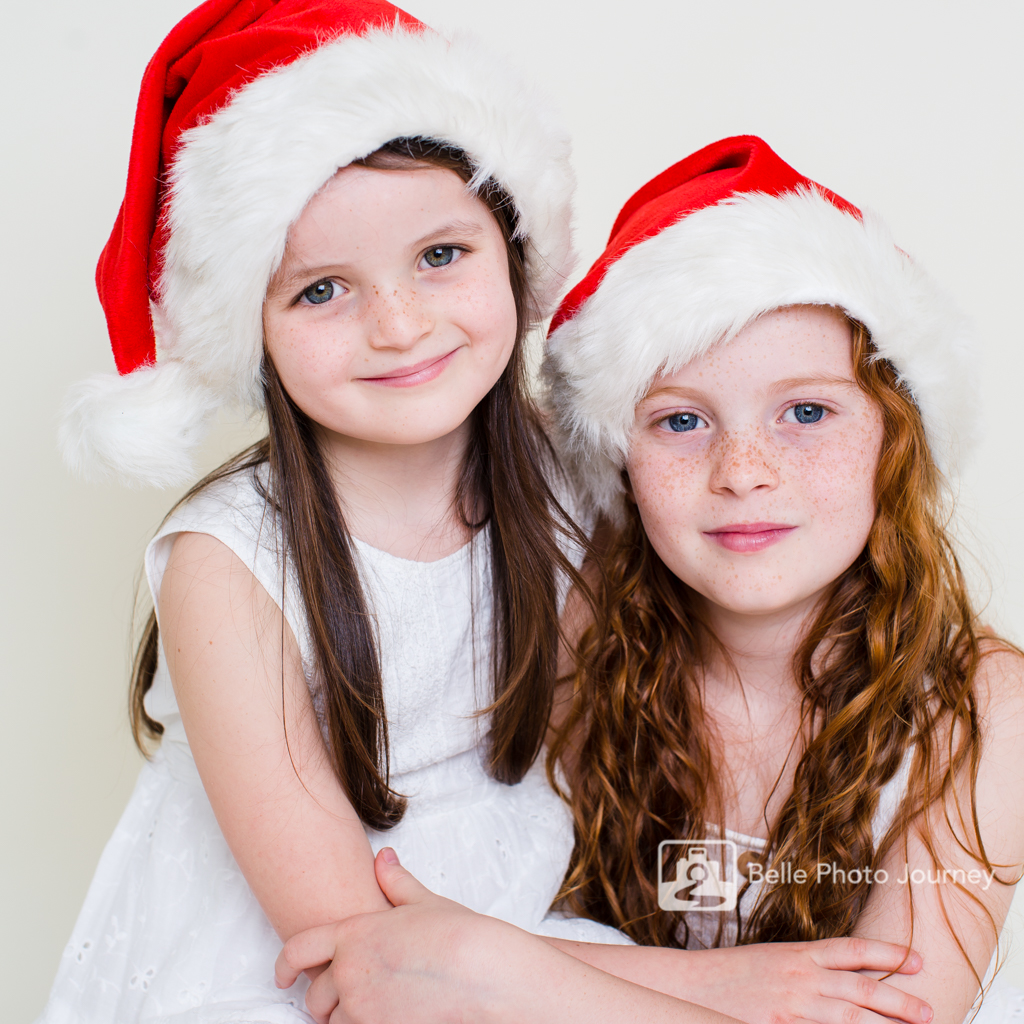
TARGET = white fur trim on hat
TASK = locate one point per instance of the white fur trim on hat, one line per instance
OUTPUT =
(140, 429)
(242, 178)
(698, 283)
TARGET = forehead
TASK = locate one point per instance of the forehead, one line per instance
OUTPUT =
(361, 201)
(417, 179)
(788, 343)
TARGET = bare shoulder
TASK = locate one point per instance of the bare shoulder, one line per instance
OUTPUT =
(201, 572)
(199, 555)
(999, 685)
(217, 621)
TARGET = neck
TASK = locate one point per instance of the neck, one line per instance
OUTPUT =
(400, 498)
(760, 647)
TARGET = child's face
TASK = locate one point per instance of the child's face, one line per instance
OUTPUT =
(753, 468)
(392, 314)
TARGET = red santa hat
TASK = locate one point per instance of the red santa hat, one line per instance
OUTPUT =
(247, 109)
(717, 240)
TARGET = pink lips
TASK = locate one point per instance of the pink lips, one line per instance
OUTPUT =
(746, 537)
(410, 376)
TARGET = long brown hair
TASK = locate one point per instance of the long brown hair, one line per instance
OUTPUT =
(503, 483)
(888, 665)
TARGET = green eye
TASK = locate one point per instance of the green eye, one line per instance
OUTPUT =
(440, 257)
(322, 291)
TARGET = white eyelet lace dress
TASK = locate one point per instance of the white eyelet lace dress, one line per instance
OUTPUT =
(1003, 1004)
(170, 932)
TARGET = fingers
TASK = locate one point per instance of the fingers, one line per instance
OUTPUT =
(841, 1013)
(890, 1003)
(310, 948)
(322, 999)
(866, 955)
(399, 885)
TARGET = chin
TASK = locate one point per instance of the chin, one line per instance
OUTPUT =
(407, 427)
(755, 602)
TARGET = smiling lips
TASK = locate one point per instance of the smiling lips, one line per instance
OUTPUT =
(747, 537)
(410, 376)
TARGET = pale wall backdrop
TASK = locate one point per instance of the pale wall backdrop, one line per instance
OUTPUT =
(912, 108)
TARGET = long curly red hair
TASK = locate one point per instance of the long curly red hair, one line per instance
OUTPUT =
(889, 663)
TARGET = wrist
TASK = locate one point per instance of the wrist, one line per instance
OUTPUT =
(683, 974)
(510, 970)
(536, 980)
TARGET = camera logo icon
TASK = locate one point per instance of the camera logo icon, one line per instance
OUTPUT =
(697, 874)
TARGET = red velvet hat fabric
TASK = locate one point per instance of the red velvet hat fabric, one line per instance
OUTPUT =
(215, 50)
(730, 167)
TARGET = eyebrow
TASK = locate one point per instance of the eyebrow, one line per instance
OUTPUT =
(691, 394)
(300, 274)
(776, 387)
(822, 380)
(459, 228)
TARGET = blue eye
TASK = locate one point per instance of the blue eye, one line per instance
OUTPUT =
(808, 413)
(440, 256)
(683, 421)
(322, 291)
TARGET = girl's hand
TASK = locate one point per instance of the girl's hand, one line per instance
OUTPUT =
(772, 983)
(414, 963)
(798, 982)
(432, 961)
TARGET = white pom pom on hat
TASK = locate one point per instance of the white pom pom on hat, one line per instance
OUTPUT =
(702, 250)
(245, 112)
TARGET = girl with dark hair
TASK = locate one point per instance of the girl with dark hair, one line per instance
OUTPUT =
(786, 726)
(343, 219)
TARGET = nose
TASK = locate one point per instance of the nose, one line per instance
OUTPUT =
(742, 463)
(398, 317)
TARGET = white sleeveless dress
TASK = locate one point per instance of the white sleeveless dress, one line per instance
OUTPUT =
(170, 932)
(1003, 1004)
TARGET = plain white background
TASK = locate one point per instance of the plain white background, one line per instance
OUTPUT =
(911, 108)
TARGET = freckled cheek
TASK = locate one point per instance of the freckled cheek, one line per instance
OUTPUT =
(838, 484)
(310, 355)
(667, 489)
(486, 314)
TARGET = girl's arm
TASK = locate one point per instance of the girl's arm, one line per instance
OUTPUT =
(238, 679)
(430, 960)
(765, 983)
(946, 979)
